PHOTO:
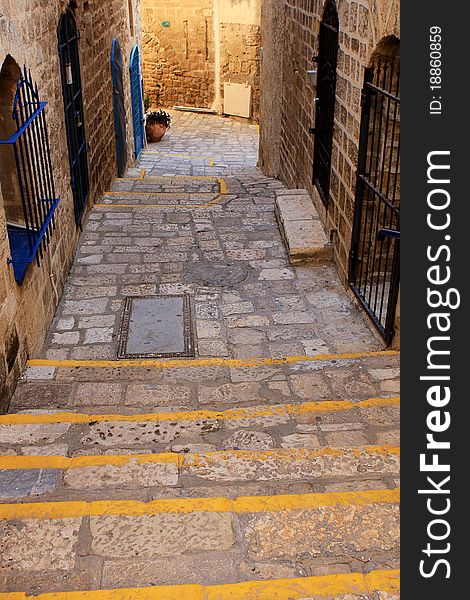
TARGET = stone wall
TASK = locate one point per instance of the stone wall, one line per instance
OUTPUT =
(28, 34)
(288, 95)
(271, 84)
(205, 44)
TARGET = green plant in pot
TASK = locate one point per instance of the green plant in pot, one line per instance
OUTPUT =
(157, 124)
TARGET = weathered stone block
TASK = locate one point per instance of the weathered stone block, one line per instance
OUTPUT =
(161, 534)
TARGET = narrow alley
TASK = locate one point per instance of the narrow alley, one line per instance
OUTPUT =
(247, 447)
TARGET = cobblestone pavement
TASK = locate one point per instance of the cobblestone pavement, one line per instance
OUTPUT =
(261, 307)
(259, 466)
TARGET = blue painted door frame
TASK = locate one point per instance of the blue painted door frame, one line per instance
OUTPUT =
(137, 104)
(119, 107)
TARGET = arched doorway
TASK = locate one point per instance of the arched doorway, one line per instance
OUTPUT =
(10, 74)
(325, 105)
(119, 107)
(73, 106)
(137, 104)
(375, 250)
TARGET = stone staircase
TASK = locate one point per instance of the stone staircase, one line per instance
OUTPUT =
(264, 468)
(128, 477)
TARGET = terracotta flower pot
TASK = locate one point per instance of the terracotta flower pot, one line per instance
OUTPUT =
(155, 131)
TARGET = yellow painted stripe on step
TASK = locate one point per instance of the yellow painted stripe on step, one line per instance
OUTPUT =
(169, 592)
(223, 191)
(183, 177)
(79, 462)
(327, 586)
(172, 194)
(184, 460)
(232, 363)
(149, 206)
(141, 176)
(210, 161)
(223, 185)
(323, 586)
(241, 505)
(199, 415)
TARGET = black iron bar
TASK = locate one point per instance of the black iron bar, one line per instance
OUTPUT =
(31, 160)
(367, 231)
(23, 194)
(387, 189)
(28, 179)
(47, 160)
(378, 177)
(38, 159)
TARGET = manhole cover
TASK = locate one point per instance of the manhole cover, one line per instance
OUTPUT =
(156, 327)
(224, 275)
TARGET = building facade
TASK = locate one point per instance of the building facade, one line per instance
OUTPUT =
(330, 123)
(194, 48)
(57, 158)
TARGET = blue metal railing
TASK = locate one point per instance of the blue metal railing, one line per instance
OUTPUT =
(30, 143)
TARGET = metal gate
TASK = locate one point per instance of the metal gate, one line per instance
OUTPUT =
(119, 108)
(68, 36)
(137, 104)
(326, 92)
(375, 252)
(33, 224)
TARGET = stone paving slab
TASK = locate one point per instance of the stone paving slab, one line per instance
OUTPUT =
(32, 546)
(288, 465)
(22, 483)
(301, 228)
(313, 532)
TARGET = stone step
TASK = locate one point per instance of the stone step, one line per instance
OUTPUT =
(311, 425)
(205, 541)
(301, 228)
(148, 386)
(141, 195)
(169, 184)
(183, 473)
(375, 585)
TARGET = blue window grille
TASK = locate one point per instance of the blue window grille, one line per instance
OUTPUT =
(31, 149)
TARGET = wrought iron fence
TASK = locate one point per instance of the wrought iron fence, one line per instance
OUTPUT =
(37, 202)
(375, 252)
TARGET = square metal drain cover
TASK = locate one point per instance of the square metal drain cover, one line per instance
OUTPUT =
(156, 327)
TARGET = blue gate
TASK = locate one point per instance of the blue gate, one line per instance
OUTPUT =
(68, 36)
(34, 221)
(119, 108)
(137, 105)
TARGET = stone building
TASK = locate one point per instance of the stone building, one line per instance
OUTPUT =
(194, 50)
(330, 123)
(74, 159)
